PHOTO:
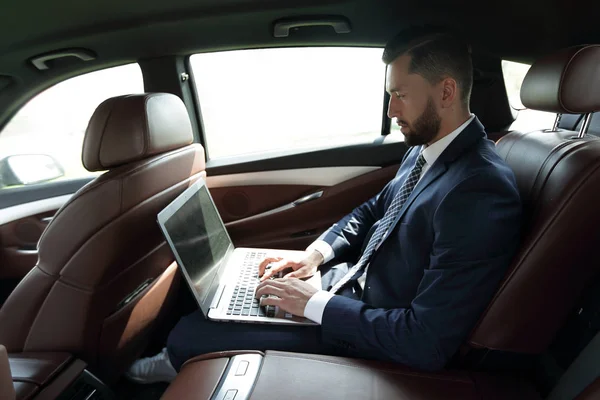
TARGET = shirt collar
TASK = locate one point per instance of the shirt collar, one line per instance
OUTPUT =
(433, 151)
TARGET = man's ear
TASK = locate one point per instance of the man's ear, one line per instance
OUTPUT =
(449, 92)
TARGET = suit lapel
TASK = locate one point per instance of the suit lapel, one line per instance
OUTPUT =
(466, 139)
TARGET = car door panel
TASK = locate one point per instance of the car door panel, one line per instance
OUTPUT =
(19, 239)
(240, 202)
(256, 197)
(309, 176)
(18, 252)
(24, 214)
(291, 226)
(27, 194)
(21, 227)
(241, 196)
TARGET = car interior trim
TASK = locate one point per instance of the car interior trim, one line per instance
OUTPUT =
(14, 213)
(328, 176)
(296, 203)
(587, 118)
(239, 378)
(283, 27)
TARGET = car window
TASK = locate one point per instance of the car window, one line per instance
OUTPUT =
(265, 100)
(527, 120)
(43, 141)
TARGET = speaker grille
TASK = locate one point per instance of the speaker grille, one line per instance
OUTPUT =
(28, 232)
(236, 204)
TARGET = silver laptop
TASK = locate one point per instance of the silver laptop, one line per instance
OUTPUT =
(222, 278)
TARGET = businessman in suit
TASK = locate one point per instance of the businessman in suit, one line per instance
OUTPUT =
(428, 252)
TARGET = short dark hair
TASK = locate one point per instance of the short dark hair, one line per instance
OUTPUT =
(435, 55)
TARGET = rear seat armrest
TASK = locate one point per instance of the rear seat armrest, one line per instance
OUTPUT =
(220, 354)
(7, 389)
(292, 376)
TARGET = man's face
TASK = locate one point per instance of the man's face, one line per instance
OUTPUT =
(412, 103)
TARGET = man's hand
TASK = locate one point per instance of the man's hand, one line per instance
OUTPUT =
(304, 268)
(292, 294)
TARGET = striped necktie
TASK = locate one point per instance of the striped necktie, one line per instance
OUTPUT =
(386, 222)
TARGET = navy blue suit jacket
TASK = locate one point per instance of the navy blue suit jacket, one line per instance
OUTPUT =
(439, 266)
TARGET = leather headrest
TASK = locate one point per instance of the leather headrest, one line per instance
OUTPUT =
(130, 128)
(564, 82)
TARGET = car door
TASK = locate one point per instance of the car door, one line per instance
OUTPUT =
(295, 137)
(40, 162)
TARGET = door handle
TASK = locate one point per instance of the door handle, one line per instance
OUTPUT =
(301, 200)
(310, 197)
(40, 62)
(26, 250)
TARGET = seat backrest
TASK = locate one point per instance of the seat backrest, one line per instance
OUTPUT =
(105, 276)
(7, 390)
(559, 181)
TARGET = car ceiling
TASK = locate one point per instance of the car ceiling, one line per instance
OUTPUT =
(124, 31)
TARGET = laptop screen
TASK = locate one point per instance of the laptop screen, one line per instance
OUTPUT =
(199, 239)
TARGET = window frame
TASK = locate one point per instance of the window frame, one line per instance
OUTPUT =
(386, 126)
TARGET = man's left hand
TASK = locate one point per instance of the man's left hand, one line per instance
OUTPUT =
(292, 294)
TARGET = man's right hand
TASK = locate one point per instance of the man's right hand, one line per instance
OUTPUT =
(303, 268)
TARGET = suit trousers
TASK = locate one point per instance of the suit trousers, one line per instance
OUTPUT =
(195, 335)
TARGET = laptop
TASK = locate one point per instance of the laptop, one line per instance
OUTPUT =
(221, 277)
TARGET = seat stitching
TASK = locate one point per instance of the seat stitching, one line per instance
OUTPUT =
(124, 271)
(564, 73)
(37, 315)
(149, 162)
(147, 126)
(93, 234)
(110, 111)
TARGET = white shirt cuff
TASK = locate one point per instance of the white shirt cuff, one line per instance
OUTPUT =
(322, 247)
(315, 307)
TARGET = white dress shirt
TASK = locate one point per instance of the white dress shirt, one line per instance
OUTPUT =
(316, 304)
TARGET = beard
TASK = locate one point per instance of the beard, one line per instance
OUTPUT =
(425, 128)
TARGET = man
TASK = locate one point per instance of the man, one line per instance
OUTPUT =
(429, 250)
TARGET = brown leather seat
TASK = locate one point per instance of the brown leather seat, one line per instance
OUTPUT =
(294, 376)
(31, 372)
(105, 243)
(7, 390)
(592, 392)
(558, 176)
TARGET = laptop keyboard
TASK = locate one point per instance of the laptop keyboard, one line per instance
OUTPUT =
(242, 301)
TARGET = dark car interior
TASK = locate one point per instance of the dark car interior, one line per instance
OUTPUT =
(88, 283)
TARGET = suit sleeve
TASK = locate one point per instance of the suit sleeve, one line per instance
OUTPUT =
(476, 230)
